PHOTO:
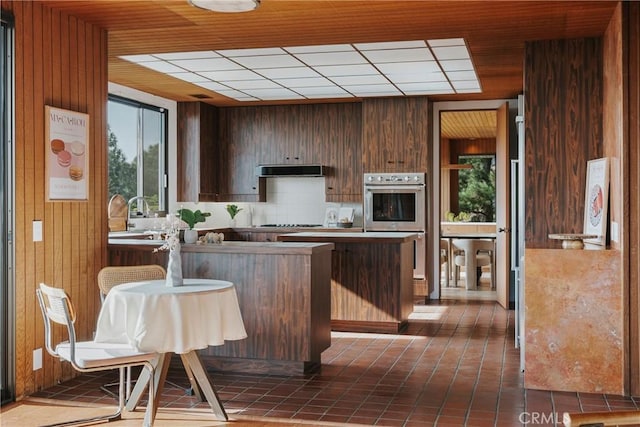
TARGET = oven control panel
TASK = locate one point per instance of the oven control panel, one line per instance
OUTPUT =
(417, 178)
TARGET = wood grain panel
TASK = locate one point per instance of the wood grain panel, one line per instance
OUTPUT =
(395, 134)
(139, 27)
(284, 299)
(468, 124)
(563, 119)
(197, 178)
(371, 281)
(630, 17)
(188, 141)
(368, 286)
(55, 65)
(292, 134)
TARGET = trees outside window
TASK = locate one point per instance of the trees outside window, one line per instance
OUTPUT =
(477, 188)
(137, 151)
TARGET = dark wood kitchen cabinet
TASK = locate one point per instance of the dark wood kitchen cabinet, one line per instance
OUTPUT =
(221, 147)
(237, 158)
(395, 134)
(286, 135)
(197, 145)
(342, 153)
(215, 162)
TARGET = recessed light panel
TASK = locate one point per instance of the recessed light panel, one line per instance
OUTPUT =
(412, 67)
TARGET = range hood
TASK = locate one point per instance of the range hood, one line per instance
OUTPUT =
(289, 170)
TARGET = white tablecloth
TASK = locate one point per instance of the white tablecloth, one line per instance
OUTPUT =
(153, 317)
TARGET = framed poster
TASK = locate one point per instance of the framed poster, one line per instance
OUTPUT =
(596, 200)
(66, 154)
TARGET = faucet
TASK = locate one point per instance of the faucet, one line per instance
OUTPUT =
(140, 202)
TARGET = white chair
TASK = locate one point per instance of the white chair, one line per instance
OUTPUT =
(444, 260)
(484, 251)
(89, 356)
(108, 277)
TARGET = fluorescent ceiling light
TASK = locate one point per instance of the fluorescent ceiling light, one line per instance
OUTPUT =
(398, 55)
(304, 82)
(226, 5)
(413, 67)
(189, 77)
(289, 73)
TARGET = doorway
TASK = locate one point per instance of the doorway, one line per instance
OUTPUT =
(468, 200)
(483, 130)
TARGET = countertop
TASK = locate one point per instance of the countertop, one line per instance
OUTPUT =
(285, 248)
(350, 237)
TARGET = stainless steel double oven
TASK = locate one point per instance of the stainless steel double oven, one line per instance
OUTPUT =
(398, 202)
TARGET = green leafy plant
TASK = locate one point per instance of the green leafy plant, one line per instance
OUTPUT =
(191, 217)
(233, 210)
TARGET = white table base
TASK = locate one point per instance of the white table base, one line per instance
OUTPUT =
(201, 383)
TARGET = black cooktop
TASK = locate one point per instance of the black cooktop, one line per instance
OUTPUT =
(292, 225)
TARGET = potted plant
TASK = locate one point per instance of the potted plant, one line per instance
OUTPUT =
(233, 211)
(191, 218)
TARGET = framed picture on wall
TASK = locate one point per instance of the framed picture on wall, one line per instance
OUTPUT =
(596, 200)
(66, 154)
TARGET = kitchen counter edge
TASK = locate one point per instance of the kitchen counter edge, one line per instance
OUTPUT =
(353, 237)
(292, 248)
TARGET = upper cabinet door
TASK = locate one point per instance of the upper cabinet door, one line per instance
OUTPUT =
(395, 134)
(286, 135)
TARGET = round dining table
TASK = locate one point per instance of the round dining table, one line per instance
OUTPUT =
(173, 320)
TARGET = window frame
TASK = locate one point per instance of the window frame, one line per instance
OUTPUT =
(163, 196)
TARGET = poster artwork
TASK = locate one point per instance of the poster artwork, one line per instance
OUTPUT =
(67, 154)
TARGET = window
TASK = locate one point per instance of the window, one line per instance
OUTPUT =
(477, 188)
(137, 143)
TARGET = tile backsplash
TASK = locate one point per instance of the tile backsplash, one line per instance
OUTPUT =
(290, 200)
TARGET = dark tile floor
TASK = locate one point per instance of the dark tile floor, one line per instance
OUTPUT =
(455, 365)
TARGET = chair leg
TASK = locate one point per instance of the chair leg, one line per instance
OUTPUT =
(103, 418)
(456, 275)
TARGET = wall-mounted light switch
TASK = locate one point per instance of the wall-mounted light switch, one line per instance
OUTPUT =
(37, 231)
(37, 359)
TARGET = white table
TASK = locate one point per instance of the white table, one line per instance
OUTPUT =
(470, 256)
(153, 317)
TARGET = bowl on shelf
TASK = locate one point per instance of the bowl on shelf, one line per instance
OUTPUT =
(344, 224)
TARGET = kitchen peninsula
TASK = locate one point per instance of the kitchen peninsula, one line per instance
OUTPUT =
(371, 278)
(283, 291)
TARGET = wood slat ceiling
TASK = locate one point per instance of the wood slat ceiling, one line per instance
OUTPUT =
(495, 32)
(468, 124)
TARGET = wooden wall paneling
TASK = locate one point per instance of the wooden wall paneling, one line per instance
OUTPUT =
(631, 42)
(39, 194)
(22, 44)
(563, 117)
(56, 65)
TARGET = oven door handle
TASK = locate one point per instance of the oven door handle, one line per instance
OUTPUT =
(395, 188)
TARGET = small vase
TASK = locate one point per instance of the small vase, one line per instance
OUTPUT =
(232, 223)
(190, 236)
(174, 268)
